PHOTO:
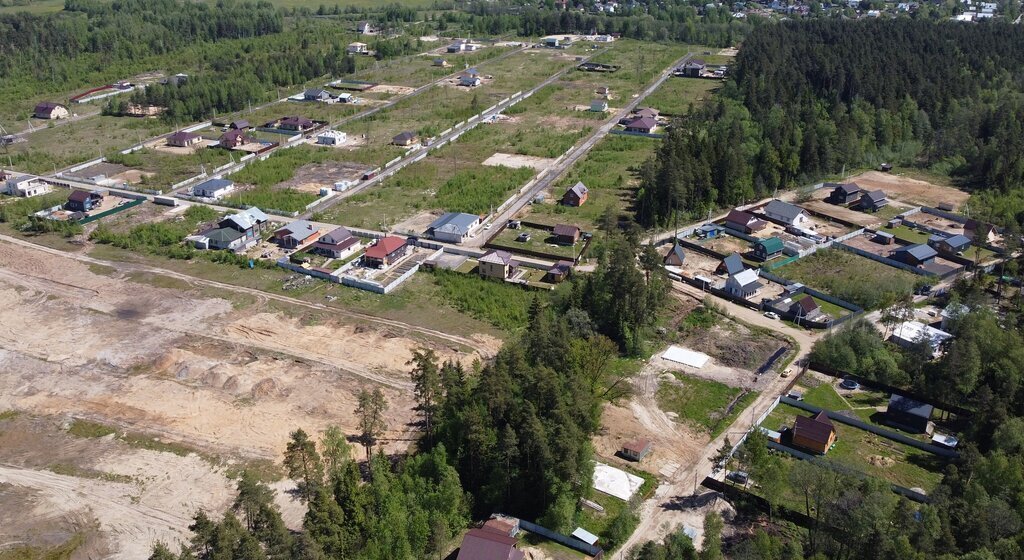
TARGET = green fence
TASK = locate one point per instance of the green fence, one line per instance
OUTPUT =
(106, 213)
(779, 264)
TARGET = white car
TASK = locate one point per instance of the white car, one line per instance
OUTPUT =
(771, 315)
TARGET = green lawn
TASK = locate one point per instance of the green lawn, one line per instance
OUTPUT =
(702, 403)
(908, 235)
(850, 277)
(677, 95)
(830, 309)
(540, 241)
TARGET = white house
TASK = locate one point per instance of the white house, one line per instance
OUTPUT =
(787, 213)
(357, 48)
(908, 333)
(214, 188)
(331, 138)
(25, 186)
(744, 284)
(453, 227)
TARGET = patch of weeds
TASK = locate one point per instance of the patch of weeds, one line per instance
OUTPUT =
(102, 269)
(9, 414)
(89, 429)
(78, 472)
(60, 552)
(265, 470)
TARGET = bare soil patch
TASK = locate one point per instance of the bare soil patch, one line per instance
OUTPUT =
(418, 223)
(518, 161)
(395, 90)
(104, 169)
(909, 190)
(312, 177)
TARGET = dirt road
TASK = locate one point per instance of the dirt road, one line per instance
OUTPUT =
(666, 510)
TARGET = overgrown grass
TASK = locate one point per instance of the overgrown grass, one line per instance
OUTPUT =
(9, 414)
(477, 190)
(17, 212)
(61, 552)
(504, 305)
(88, 429)
(850, 277)
(158, 237)
(702, 403)
(285, 200)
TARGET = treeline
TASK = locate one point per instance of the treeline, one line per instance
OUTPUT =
(808, 98)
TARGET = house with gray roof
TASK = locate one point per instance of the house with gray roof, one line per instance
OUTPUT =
(733, 264)
(949, 245)
(296, 234)
(250, 222)
(214, 188)
(843, 193)
(576, 195)
(787, 213)
(316, 94)
(337, 244)
(224, 238)
(744, 284)
(914, 255)
(453, 227)
(873, 201)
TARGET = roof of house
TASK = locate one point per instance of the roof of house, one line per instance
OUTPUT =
(875, 196)
(847, 188)
(336, 236)
(479, 544)
(80, 196)
(913, 331)
(233, 134)
(637, 446)
(907, 405)
(223, 235)
(958, 240)
(458, 223)
(746, 278)
(246, 218)
(785, 210)
(239, 124)
(404, 137)
(297, 121)
(563, 230)
(740, 217)
(677, 250)
(585, 536)
(806, 305)
(642, 122)
(499, 257)
(884, 235)
(770, 245)
(919, 251)
(213, 185)
(299, 230)
(47, 106)
(385, 246)
(816, 428)
(560, 267)
(646, 112)
(315, 92)
(579, 188)
(733, 264)
(182, 136)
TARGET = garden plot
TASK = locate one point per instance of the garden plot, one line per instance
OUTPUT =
(699, 264)
(850, 277)
(677, 95)
(144, 213)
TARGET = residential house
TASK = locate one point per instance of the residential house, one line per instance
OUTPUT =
(576, 195)
(636, 449)
(366, 28)
(405, 139)
(51, 111)
(337, 244)
(222, 238)
(675, 256)
(25, 186)
(873, 201)
(82, 201)
(731, 265)
(980, 232)
(646, 113)
(497, 264)
(316, 94)
(814, 433)
(240, 125)
(566, 235)
(806, 309)
(558, 272)
(599, 105)
(482, 544)
(744, 284)
(296, 124)
(952, 245)
(357, 48)
(453, 227)
(642, 125)
(182, 139)
(296, 234)
(691, 69)
(767, 249)
(250, 222)
(909, 414)
(331, 138)
(213, 188)
(909, 333)
(469, 80)
(788, 214)
(441, 63)
(914, 255)
(385, 252)
(843, 193)
(233, 139)
(744, 222)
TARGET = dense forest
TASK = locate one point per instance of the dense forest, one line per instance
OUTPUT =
(808, 98)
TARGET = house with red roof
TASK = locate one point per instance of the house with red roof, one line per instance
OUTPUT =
(385, 252)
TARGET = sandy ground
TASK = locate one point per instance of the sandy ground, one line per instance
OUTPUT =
(417, 224)
(312, 177)
(516, 161)
(161, 146)
(183, 366)
(397, 90)
(861, 218)
(910, 190)
(108, 170)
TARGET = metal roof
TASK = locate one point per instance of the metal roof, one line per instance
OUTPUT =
(733, 264)
(907, 405)
(454, 222)
(480, 544)
(817, 428)
(213, 185)
(246, 218)
(919, 251)
(498, 257)
(783, 210)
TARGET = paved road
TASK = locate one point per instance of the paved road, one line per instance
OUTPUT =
(662, 513)
(556, 172)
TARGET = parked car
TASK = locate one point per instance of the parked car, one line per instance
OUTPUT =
(523, 237)
(739, 477)
(771, 315)
(850, 384)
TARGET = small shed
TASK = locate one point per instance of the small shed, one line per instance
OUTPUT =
(814, 433)
(909, 414)
(636, 450)
(599, 105)
(566, 234)
(884, 238)
(675, 257)
(585, 536)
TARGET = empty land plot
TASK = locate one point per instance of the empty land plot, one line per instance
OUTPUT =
(539, 241)
(850, 277)
(677, 95)
(266, 183)
(611, 173)
(516, 161)
(818, 204)
(74, 142)
(911, 191)
(639, 61)
(159, 170)
(708, 406)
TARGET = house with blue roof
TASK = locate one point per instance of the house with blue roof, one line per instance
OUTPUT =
(914, 255)
(453, 227)
(214, 188)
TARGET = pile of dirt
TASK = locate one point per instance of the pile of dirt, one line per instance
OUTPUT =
(882, 462)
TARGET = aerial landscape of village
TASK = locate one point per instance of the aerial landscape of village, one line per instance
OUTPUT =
(511, 280)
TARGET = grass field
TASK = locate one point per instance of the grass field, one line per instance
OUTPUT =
(702, 403)
(35, 7)
(850, 277)
(909, 235)
(540, 242)
(677, 95)
(74, 142)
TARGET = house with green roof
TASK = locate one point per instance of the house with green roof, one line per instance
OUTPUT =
(767, 249)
